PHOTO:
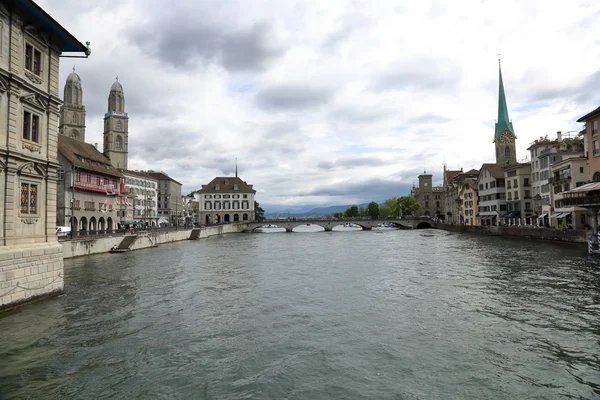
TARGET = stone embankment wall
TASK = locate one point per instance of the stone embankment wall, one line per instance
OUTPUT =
(29, 273)
(571, 235)
(85, 247)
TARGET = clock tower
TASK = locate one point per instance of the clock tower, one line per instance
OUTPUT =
(504, 137)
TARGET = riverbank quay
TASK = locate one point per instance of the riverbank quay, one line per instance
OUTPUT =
(570, 235)
(86, 246)
(30, 275)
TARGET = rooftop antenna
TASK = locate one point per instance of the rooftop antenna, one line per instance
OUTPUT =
(236, 167)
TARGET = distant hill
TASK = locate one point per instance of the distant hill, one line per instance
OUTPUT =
(316, 212)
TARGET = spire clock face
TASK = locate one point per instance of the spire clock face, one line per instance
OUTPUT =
(505, 138)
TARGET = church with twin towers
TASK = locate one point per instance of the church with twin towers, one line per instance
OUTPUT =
(116, 122)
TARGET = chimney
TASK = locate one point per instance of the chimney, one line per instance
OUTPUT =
(96, 145)
(559, 136)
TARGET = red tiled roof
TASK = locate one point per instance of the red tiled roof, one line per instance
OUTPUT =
(85, 156)
(451, 174)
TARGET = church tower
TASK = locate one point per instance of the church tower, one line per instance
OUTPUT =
(72, 112)
(504, 137)
(116, 127)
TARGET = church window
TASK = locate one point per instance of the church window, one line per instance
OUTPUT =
(31, 124)
(33, 59)
(74, 134)
(119, 143)
(76, 97)
(119, 125)
(74, 119)
(29, 193)
(507, 153)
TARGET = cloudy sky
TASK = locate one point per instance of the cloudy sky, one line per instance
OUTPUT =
(331, 102)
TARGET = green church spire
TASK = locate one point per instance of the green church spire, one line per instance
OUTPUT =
(503, 121)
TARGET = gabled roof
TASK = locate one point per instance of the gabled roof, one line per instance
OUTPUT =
(139, 174)
(85, 156)
(451, 174)
(226, 185)
(161, 176)
(589, 115)
(472, 172)
(496, 170)
(34, 14)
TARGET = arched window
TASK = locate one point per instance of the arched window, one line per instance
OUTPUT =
(119, 125)
(74, 134)
(426, 204)
(437, 204)
(596, 177)
(119, 143)
(507, 153)
(74, 119)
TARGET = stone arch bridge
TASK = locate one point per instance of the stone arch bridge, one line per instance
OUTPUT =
(329, 224)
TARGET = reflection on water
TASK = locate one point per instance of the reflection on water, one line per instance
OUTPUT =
(380, 314)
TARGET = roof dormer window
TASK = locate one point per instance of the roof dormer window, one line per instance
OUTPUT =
(218, 187)
(235, 186)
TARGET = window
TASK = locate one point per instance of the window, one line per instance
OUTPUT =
(236, 205)
(74, 119)
(595, 148)
(245, 196)
(218, 187)
(119, 143)
(31, 127)
(581, 170)
(235, 186)
(119, 125)
(594, 128)
(217, 205)
(506, 153)
(78, 177)
(88, 178)
(60, 175)
(33, 59)
(29, 192)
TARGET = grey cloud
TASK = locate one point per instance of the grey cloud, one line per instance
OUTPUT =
(372, 190)
(429, 119)
(353, 162)
(361, 115)
(293, 97)
(425, 74)
(196, 41)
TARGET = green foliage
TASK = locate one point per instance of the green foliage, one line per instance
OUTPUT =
(258, 210)
(362, 212)
(373, 210)
(384, 211)
(351, 212)
(408, 205)
(338, 215)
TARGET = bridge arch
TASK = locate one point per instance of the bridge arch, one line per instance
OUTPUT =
(423, 225)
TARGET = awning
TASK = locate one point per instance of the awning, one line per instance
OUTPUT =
(543, 216)
(563, 215)
(555, 215)
(585, 188)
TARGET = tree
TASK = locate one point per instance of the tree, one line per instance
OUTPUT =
(259, 212)
(408, 205)
(373, 210)
(384, 211)
(390, 202)
(351, 212)
(338, 215)
(396, 208)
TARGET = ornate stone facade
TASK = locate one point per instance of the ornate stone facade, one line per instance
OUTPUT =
(30, 256)
(116, 128)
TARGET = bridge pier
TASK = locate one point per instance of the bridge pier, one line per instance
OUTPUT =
(289, 229)
(328, 229)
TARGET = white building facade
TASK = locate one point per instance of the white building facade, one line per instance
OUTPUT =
(566, 175)
(144, 190)
(225, 200)
(491, 195)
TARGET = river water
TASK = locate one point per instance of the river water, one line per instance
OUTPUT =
(421, 314)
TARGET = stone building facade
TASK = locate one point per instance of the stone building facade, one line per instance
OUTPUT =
(72, 112)
(143, 189)
(116, 128)
(428, 196)
(225, 200)
(31, 42)
(517, 190)
(169, 200)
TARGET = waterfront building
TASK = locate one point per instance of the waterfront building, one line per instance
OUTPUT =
(169, 200)
(565, 149)
(452, 198)
(504, 135)
(90, 194)
(447, 199)
(428, 196)
(191, 210)
(144, 196)
(468, 205)
(591, 121)
(31, 42)
(566, 175)
(116, 128)
(226, 199)
(517, 189)
(540, 172)
(492, 197)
